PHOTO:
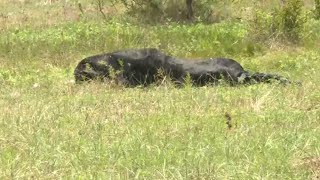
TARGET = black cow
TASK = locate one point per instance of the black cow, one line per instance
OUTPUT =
(143, 66)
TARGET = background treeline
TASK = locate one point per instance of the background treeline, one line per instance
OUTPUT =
(269, 19)
(181, 27)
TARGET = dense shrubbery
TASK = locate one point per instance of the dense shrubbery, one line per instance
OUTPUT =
(292, 19)
(283, 23)
(199, 39)
(317, 9)
(155, 11)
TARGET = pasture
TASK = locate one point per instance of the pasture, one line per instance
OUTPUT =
(52, 128)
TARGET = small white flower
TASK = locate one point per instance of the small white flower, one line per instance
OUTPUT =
(36, 85)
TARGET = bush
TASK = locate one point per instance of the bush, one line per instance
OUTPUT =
(155, 11)
(317, 9)
(284, 23)
(292, 20)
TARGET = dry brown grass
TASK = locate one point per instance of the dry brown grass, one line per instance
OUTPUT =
(312, 164)
(19, 13)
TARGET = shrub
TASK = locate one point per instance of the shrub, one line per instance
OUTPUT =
(317, 9)
(155, 11)
(292, 20)
(283, 23)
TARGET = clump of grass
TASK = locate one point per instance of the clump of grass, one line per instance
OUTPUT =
(283, 23)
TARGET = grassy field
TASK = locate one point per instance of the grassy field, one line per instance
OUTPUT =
(52, 128)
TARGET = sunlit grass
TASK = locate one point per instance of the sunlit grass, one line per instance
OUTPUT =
(52, 128)
(81, 131)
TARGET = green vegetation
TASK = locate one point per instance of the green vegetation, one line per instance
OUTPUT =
(317, 9)
(52, 128)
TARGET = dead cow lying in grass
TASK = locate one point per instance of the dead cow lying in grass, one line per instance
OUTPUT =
(143, 66)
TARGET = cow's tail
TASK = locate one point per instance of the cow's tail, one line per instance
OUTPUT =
(251, 78)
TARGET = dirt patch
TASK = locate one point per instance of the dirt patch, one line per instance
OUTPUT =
(312, 164)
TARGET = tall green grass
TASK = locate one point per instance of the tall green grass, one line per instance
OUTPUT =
(51, 128)
(225, 38)
(59, 129)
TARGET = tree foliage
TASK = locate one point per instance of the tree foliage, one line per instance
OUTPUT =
(154, 11)
(285, 22)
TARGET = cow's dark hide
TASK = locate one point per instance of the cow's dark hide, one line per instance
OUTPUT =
(143, 66)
